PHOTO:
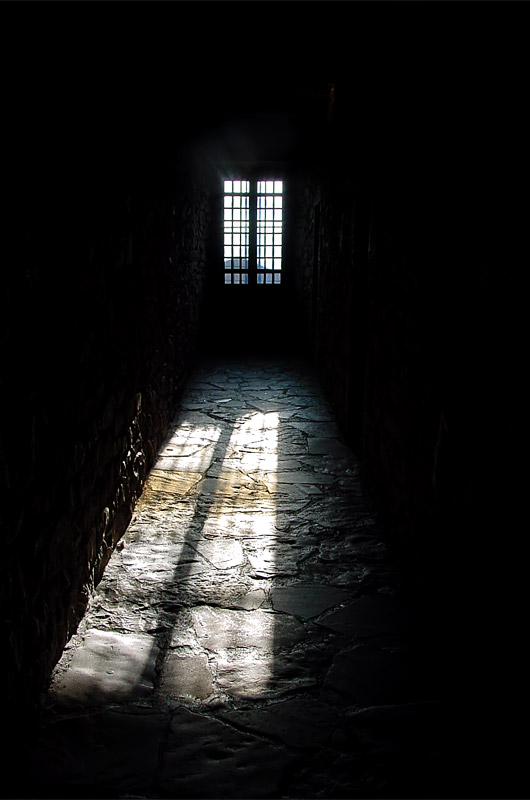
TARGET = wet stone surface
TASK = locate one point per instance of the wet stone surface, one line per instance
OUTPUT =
(249, 637)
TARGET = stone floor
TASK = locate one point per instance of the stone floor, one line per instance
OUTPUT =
(250, 637)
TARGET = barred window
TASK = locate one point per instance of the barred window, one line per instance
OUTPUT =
(253, 231)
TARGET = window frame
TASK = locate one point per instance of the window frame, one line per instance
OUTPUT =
(265, 231)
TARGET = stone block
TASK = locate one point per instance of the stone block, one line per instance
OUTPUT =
(369, 617)
(306, 600)
(208, 758)
(367, 676)
(107, 668)
(108, 754)
(298, 722)
(186, 676)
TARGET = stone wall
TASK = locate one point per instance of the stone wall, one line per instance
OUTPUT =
(416, 317)
(331, 234)
(99, 328)
(306, 231)
(420, 347)
(401, 404)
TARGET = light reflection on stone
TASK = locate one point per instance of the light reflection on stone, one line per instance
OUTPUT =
(233, 504)
(189, 449)
(251, 451)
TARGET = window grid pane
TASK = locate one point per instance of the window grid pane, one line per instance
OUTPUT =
(236, 231)
(269, 231)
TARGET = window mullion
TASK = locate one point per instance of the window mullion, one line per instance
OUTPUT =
(252, 264)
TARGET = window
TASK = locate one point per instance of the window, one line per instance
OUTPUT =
(253, 231)
(236, 231)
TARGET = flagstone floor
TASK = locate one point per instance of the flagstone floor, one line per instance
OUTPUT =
(250, 636)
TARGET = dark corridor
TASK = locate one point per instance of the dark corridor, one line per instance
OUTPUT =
(400, 136)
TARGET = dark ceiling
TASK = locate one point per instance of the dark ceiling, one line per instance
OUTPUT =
(135, 81)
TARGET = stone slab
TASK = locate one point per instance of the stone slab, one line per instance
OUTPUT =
(108, 754)
(314, 414)
(300, 476)
(247, 674)
(221, 629)
(410, 742)
(262, 560)
(207, 758)
(370, 616)
(174, 484)
(149, 557)
(328, 446)
(367, 676)
(186, 676)
(221, 553)
(107, 668)
(197, 463)
(306, 600)
(327, 430)
(250, 601)
(226, 484)
(297, 722)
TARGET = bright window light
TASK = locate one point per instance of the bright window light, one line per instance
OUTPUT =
(258, 204)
